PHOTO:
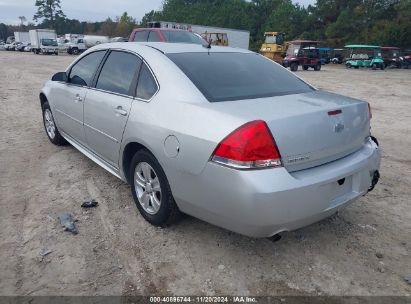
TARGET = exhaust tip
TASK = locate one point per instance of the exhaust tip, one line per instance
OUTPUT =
(275, 238)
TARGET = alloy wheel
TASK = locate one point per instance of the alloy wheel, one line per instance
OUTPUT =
(49, 124)
(148, 189)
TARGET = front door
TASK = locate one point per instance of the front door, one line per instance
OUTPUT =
(108, 105)
(69, 110)
(70, 96)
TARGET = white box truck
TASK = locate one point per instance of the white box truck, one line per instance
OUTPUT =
(44, 41)
(22, 37)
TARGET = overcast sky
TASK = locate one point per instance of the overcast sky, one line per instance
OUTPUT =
(86, 10)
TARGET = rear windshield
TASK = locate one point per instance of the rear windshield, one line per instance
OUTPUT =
(236, 76)
(184, 37)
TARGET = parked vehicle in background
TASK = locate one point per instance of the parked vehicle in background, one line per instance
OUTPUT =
(10, 40)
(274, 46)
(304, 53)
(28, 48)
(2, 46)
(236, 38)
(364, 56)
(12, 46)
(23, 37)
(70, 36)
(75, 46)
(391, 56)
(261, 152)
(220, 39)
(406, 61)
(325, 54)
(92, 40)
(165, 35)
(21, 47)
(7, 46)
(119, 39)
(337, 56)
(43, 41)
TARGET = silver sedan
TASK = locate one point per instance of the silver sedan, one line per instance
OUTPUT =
(218, 133)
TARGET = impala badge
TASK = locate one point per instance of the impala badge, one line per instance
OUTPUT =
(339, 127)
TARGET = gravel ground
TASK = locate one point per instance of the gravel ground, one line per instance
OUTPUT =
(365, 250)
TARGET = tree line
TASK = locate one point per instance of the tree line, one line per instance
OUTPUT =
(334, 22)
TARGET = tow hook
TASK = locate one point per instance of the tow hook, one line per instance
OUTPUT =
(374, 181)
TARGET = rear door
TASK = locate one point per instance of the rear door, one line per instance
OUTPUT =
(108, 105)
(69, 96)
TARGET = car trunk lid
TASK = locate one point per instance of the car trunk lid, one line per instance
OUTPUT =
(310, 129)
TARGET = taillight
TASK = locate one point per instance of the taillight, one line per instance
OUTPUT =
(369, 111)
(251, 146)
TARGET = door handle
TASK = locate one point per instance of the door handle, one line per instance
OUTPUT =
(121, 111)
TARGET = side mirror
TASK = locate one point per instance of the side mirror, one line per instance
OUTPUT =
(60, 76)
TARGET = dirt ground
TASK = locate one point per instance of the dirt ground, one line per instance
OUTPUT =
(365, 250)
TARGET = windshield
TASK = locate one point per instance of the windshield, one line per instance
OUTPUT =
(275, 39)
(390, 53)
(185, 37)
(237, 76)
(49, 42)
(270, 39)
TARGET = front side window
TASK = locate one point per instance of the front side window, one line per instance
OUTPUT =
(82, 72)
(147, 85)
(140, 36)
(235, 76)
(118, 73)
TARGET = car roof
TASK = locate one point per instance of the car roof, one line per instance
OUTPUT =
(303, 41)
(170, 48)
(390, 48)
(354, 46)
(161, 29)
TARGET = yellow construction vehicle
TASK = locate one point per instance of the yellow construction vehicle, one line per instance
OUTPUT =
(216, 38)
(274, 46)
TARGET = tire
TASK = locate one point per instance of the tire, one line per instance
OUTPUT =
(50, 126)
(294, 66)
(374, 66)
(382, 66)
(317, 67)
(75, 51)
(348, 65)
(160, 208)
(305, 67)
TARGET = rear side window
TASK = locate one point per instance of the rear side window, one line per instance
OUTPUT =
(140, 36)
(154, 37)
(82, 72)
(147, 85)
(236, 76)
(118, 73)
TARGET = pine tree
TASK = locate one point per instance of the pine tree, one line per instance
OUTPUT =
(49, 11)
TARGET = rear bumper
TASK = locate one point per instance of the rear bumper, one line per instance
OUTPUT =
(262, 203)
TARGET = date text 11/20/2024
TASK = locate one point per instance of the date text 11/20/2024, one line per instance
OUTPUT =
(203, 299)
